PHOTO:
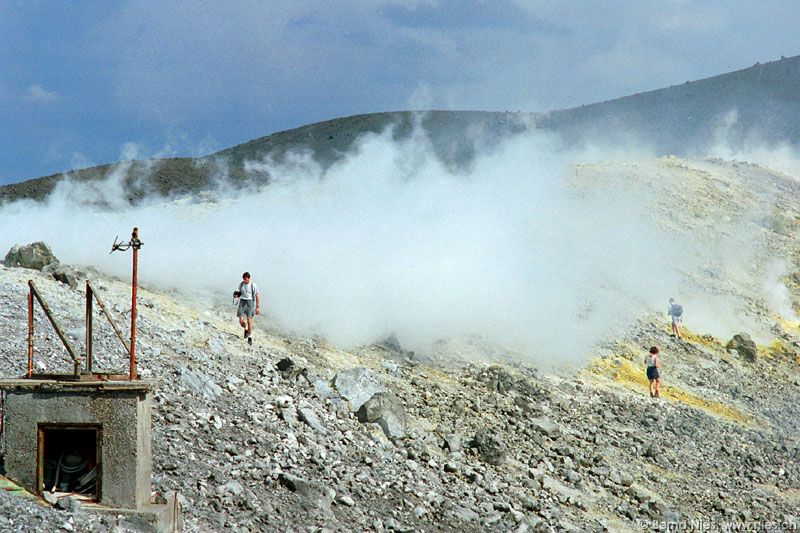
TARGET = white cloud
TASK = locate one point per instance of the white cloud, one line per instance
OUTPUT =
(37, 93)
(285, 63)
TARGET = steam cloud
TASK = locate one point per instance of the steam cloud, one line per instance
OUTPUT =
(388, 240)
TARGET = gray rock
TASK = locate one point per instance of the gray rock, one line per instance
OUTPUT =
(492, 519)
(289, 415)
(36, 256)
(638, 492)
(308, 416)
(315, 496)
(466, 515)
(285, 364)
(231, 487)
(346, 500)
(200, 383)
(68, 503)
(391, 524)
(452, 442)
(744, 346)
(490, 447)
(66, 274)
(357, 385)
(386, 410)
(217, 347)
(546, 426)
(323, 388)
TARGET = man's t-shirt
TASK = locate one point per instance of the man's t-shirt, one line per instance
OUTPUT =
(248, 290)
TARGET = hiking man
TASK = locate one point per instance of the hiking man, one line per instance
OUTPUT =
(675, 311)
(249, 305)
(653, 375)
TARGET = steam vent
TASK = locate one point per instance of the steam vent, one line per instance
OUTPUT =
(85, 436)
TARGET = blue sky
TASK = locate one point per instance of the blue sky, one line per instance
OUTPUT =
(91, 82)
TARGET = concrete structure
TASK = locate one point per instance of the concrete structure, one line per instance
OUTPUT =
(101, 424)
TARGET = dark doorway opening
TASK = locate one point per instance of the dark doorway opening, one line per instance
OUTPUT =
(69, 460)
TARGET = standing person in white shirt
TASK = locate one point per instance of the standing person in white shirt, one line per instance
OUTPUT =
(249, 305)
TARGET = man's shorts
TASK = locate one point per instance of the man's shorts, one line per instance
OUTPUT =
(246, 308)
(676, 320)
(652, 373)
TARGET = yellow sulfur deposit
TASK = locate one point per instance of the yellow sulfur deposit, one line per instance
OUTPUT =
(632, 376)
(778, 349)
(702, 340)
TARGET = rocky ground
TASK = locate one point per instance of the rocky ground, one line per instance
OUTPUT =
(293, 434)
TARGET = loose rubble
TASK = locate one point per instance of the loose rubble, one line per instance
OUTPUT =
(294, 434)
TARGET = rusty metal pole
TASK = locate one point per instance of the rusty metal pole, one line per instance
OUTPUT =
(135, 244)
(30, 333)
(89, 318)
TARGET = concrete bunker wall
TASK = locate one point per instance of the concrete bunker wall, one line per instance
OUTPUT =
(121, 413)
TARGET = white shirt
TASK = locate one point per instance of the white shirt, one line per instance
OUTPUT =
(248, 290)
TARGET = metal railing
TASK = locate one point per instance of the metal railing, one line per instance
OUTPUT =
(91, 296)
(35, 295)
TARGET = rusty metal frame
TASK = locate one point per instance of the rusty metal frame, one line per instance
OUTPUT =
(35, 294)
(98, 432)
(93, 296)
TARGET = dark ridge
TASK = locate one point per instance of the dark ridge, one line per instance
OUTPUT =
(455, 135)
(683, 120)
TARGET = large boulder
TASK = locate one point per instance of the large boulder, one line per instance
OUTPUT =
(357, 385)
(386, 410)
(490, 447)
(66, 274)
(314, 497)
(744, 346)
(36, 256)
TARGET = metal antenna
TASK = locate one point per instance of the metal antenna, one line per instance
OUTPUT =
(135, 244)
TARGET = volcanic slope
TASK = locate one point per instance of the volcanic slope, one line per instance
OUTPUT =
(758, 104)
(253, 442)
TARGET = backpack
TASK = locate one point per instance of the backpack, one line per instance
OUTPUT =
(677, 309)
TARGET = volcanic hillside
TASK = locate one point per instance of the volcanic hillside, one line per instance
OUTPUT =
(756, 104)
(296, 434)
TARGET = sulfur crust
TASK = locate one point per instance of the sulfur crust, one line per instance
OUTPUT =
(623, 373)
